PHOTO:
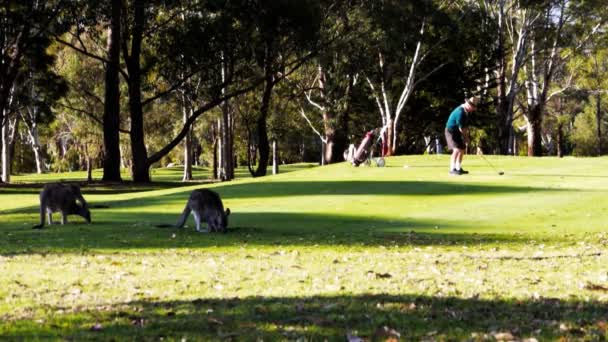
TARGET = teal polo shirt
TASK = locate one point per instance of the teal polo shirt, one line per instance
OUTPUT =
(458, 118)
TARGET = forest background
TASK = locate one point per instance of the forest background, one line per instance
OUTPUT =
(133, 84)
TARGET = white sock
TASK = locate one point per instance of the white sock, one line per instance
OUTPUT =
(451, 165)
(457, 165)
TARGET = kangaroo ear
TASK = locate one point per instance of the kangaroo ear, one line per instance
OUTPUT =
(227, 211)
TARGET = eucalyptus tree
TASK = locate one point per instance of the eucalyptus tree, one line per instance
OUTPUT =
(87, 22)
(40, 89)
(150, 42)
(328, 84)
(25, 27)
(593, 78)
(564, 24)
(514, 23)
(284, 35)
(408, 38)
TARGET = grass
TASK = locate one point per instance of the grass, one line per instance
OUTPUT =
(319, 253)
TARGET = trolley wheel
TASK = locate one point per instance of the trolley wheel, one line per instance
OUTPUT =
(380, 162)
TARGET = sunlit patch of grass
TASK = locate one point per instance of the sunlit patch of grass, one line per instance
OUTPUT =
(319, 254)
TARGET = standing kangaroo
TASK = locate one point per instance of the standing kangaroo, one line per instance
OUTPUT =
(206, 206)
(62, 198)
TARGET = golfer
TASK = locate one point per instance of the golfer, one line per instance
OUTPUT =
(457, 134)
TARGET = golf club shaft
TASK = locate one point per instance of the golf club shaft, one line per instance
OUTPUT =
(487, 161)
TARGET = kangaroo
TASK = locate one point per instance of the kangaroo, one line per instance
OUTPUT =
(62, 198)
(206, 206)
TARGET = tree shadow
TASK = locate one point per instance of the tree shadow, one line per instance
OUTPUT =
(375, 317)
(116, 230)
(230, 191)
(546, 175)
(100, 188)
(283, 189)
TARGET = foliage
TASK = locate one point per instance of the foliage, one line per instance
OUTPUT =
(584, 135)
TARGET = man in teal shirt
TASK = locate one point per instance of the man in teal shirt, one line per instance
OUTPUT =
(457, 134)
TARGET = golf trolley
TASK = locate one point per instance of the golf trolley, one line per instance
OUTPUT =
(364, 154)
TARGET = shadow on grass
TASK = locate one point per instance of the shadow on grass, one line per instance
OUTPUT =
(339, 188)
(320, 317)
(283, 189)
(100, 188)
(546, 175)
(245, 229)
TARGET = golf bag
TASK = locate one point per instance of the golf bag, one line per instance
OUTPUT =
(364, 152)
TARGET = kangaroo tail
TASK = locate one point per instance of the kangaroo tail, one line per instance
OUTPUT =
(182, 219)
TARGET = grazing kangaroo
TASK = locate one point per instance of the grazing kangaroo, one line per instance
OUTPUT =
(62, 198)
(206, 206)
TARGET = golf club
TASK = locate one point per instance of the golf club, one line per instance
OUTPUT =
(500, 173)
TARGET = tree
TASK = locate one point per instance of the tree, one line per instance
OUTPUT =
(409, 48)
(111, 112)
(25, 27)
(284, 37)
(559, 28)
(329, 83)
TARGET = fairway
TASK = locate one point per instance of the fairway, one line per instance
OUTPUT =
(405, 251)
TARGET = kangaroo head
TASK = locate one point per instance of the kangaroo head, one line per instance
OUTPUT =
(85, 213)
(223, 221)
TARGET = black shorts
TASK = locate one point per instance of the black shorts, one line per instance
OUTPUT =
(454, 139)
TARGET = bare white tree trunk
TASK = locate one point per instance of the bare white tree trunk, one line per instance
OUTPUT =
(275, 158)
(35, 140)
(29, 118)
(321, 137)
(6, 140)
(6, 148)
(220, 157)
(186, 111)
(226, 134)
(390, 116)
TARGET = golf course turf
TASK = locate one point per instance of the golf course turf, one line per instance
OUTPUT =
(405, 251)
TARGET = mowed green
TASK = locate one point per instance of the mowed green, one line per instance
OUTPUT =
(319, 253)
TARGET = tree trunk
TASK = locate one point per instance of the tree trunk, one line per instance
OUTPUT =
(534, 129)
(390, 132)
(227, 154)
(598, 119)
(226, 132)
(328, 148)
(275, 158)
(187, 142)
(215, 163)
(262, 132)
(32, 131)
(111, 113)
(560, 141)
(89, 163)
(140, 169)
(6, 149)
